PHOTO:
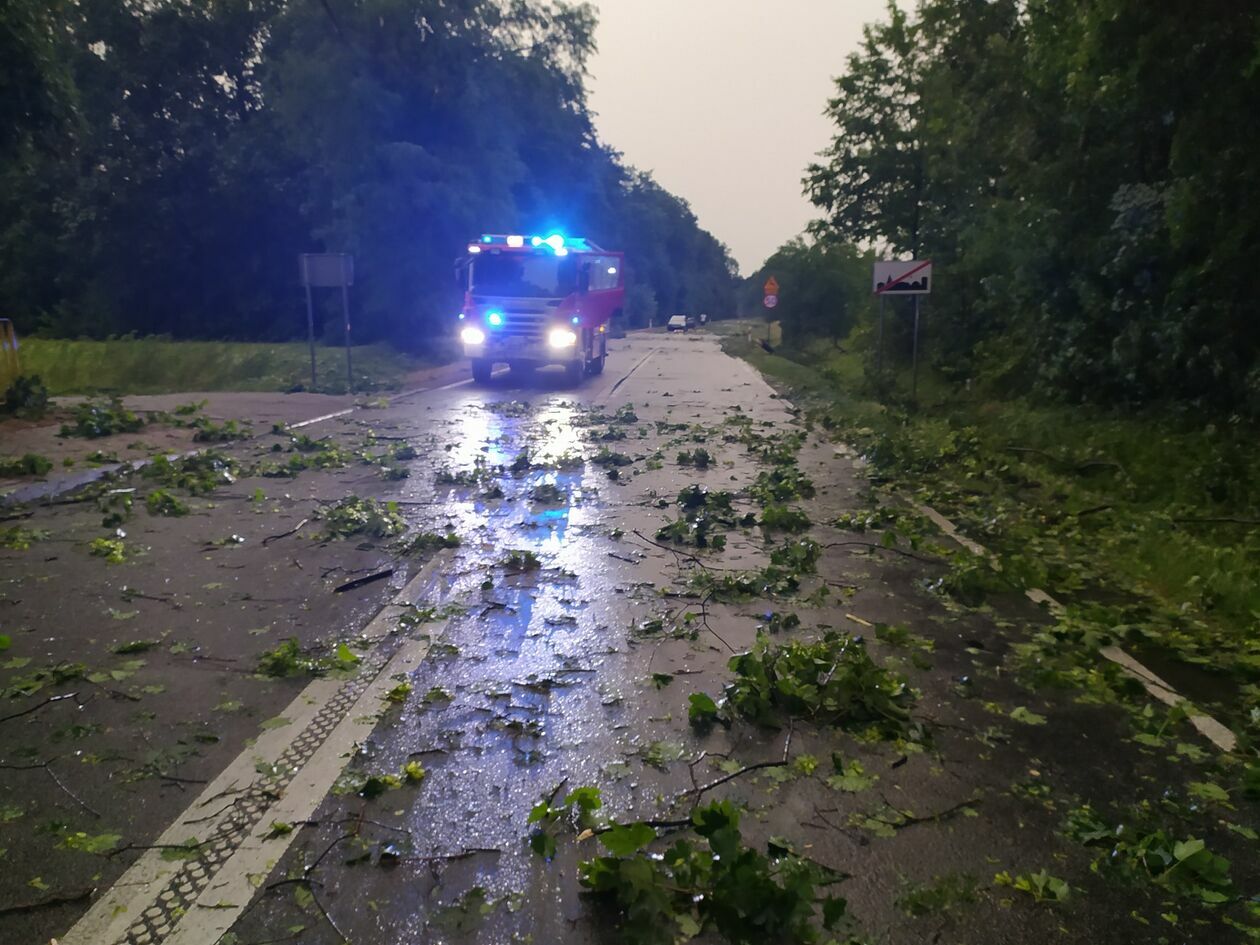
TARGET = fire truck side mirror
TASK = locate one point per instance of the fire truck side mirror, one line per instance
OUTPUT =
(584, 278)
(460, 270)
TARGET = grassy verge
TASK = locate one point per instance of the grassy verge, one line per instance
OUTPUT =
(153, 366)
(1146, 525)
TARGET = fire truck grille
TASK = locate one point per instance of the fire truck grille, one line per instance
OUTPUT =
(524, 324)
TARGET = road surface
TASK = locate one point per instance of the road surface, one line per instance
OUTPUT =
(175, 772)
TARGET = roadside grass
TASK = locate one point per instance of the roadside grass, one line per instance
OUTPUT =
(156, 365)
(1088, 504)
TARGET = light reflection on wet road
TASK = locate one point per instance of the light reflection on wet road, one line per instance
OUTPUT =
(545, 685)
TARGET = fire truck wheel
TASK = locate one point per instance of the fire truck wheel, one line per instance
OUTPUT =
(596, 365)
(481, 370)
(573, 372)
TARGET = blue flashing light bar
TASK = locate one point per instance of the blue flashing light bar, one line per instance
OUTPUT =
(559, 244)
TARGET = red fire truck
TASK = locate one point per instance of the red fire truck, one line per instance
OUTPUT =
(531, 301)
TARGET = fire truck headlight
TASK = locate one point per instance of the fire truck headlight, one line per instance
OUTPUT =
(472, 336)
(561, 338)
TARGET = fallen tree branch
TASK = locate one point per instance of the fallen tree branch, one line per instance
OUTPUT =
(673, 551)
(179, 780)
(69, 793)
(297, 528)
(875, 546)
(461, 855)
(35, 708)
(1093, 509)
(1104, 463)
(46, 766)
(704, 619)
(130, 593)
(700, 791)
(1034, 452)
(1222, 520)
(360, 582)
(909, 820)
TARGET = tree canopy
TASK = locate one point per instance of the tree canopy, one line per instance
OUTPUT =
(1084, 174)
(164, 163)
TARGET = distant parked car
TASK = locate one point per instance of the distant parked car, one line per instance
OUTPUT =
(678, 323)
(704, 318)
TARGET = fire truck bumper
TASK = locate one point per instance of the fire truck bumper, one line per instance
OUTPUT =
(538, 352)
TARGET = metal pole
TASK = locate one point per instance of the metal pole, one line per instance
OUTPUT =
(345, 311)
(310, 321)
(914, 383)
(879, 346)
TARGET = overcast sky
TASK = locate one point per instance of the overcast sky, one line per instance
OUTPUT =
(722, 100)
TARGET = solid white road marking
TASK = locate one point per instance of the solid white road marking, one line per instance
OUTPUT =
(274, 779)
(1210, 728)
(393, 400)
(236, 883)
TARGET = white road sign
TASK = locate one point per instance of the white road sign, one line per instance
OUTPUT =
(902, 277)
(771, 301)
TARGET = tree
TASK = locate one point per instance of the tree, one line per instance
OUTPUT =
(1074, 170)
(824, 288)
(221, 139)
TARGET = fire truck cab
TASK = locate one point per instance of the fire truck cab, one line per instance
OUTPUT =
(531, 301)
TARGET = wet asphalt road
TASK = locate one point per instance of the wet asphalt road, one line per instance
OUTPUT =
(533, 680)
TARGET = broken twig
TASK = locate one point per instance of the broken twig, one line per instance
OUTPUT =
(359, 582)
(270, 538)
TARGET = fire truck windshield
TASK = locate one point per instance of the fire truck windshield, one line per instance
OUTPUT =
(524, 275)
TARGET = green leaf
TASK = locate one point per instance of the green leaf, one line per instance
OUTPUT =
(1209, 791)
(701, 708)
(543, 844)
(1243, 831)
(399, 693)
(1184, 849)
(586, 799)
(182, 851)
(377, 784)
(850, 776)
(625, 839)
(88, 843)
(713, 817)
(413, 772)
(1028, 717)
(688, 927)
(540, 812)
(467, 914)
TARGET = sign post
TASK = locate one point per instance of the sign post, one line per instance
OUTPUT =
(769, 298)
(770, 293)
(327, 271)
(902, 278)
